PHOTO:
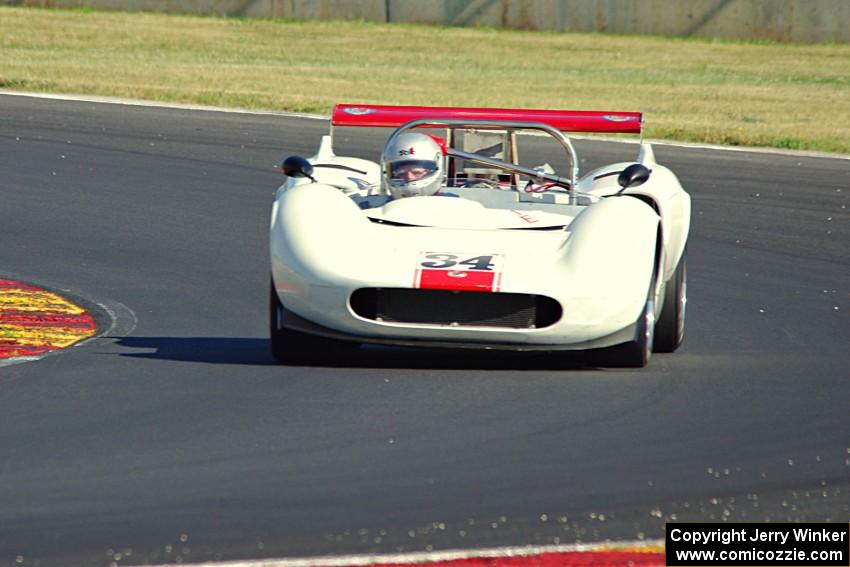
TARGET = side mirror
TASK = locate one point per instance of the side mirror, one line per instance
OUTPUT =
(634, 175)
(297, 166)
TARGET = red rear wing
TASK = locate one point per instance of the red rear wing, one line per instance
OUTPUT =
(565, 120)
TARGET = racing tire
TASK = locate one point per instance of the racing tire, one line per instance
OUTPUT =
(633, 354)
(297, 348)
(670, 328)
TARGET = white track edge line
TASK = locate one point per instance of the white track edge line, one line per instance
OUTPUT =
(179, 106)
(426, 556)
(153, 104)
(18, 360)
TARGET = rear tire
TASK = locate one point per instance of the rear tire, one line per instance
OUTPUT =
(296, 348)
(670, 328)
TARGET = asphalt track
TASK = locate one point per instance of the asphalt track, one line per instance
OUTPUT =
(175, 437)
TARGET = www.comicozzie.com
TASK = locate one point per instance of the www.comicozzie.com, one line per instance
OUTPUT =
(809, 544)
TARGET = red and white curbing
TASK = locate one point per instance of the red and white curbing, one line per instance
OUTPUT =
(34, 322)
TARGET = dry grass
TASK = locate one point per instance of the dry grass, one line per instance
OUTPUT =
(751, 94)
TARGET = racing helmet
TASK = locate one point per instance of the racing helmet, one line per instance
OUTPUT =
(412, 166)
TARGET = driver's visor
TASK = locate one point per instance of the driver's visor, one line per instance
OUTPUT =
(412, 169)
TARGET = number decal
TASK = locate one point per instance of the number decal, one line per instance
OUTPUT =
(459, 271)
(448, 260)
(479, 263)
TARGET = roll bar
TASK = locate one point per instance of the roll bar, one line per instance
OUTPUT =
(502, 125)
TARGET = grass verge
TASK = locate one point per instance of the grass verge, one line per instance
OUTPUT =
(723, 92)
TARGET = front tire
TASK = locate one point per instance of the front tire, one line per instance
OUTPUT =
(296, 348)
(636, 353)
(670, 329)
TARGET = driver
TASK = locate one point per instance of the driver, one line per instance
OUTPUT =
(412, 166)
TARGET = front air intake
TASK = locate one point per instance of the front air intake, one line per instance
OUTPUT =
(456, 308)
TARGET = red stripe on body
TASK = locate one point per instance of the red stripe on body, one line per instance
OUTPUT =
(457, 280)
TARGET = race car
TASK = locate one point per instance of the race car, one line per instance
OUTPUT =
(449, 241)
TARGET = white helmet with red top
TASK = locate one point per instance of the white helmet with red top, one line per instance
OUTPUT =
(412, 166)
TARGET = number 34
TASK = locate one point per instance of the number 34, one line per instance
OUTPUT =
(440, 261)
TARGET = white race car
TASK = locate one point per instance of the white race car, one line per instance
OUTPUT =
(497, 255)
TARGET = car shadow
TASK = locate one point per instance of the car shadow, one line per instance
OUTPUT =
(210, 350)
(464, 359)
(257, 352)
